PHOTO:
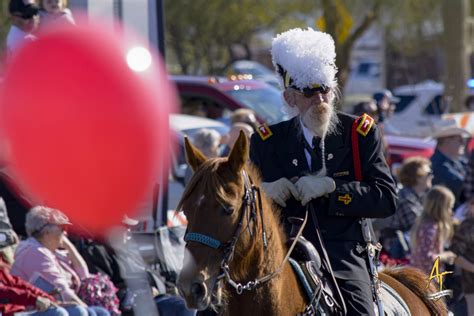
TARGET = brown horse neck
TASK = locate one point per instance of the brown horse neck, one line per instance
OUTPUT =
(256, 261)
(281, 295)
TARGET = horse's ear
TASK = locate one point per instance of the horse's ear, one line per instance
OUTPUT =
(194, 156)
(240, 153)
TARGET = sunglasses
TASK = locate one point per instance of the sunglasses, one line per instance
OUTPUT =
(310, 92)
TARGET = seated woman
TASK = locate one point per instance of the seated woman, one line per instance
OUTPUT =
(17, 295)
(40, 255)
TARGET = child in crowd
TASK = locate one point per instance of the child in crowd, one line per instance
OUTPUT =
(433, 229)
(24, 17)
(55, 12)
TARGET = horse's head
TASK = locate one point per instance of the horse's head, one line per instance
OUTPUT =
(214, 203)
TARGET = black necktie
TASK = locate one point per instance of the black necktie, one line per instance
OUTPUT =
(315, 153)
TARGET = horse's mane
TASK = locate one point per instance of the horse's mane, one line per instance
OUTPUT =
(410, 277)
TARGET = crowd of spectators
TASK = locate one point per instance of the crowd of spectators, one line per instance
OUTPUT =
(45, 273)
(29, 17)
(434, 217)
(44, 270)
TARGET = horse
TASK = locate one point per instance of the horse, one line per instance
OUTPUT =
(232, 238)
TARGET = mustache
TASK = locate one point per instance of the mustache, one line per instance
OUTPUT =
(321, 119)
(318, 113)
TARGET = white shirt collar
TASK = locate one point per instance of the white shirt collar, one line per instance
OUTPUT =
(307, 134)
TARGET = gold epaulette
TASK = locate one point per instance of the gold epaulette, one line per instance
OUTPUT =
(264, 131)
(365, 124)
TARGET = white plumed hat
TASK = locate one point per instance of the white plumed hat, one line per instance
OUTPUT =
(305, 59)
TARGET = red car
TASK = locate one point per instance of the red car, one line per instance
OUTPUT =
(207, 95)
(400, 148)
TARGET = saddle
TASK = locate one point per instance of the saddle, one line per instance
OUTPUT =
(322, 292)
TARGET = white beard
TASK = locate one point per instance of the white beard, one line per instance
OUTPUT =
(320, 119)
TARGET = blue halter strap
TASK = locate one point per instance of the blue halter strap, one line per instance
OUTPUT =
(203, 239)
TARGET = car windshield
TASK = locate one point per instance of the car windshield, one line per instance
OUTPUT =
(266, 102)
(222, 130)
(253, 68)
(405, 100)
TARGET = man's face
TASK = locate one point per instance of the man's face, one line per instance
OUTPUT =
(454, 146)
(27, 25)
(316, 111)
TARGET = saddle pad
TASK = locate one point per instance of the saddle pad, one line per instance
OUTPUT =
(393, 304)
(302, 277)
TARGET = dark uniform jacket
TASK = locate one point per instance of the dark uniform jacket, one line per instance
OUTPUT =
(338, 214)
(450, 173)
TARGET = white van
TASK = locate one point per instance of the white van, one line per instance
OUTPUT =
(423, 108)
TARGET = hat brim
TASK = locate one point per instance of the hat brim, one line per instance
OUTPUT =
(450, 132)
(29, 10)
(394, 99)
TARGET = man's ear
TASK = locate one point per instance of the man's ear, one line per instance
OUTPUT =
(289, 98)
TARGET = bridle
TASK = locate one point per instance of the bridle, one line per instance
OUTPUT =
(252, 202)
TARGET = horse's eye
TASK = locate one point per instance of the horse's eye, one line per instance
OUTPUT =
(228, 210)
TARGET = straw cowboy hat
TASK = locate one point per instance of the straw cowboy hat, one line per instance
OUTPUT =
(450, 131)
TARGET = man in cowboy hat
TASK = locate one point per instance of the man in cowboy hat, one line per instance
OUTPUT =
(448, 161)
(331, 160)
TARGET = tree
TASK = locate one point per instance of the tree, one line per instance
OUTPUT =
(4, 27)
(204, 43)
(337, 20)
(201, 35)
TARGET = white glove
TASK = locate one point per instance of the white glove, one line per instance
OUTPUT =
(280, 190)
(42, 303)
(312, 187)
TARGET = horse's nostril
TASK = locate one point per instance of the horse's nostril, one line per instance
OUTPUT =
(198, 290)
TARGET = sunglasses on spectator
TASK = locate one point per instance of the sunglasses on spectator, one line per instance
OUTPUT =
(310, 92)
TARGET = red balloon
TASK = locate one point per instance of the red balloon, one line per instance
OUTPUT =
(85, 132)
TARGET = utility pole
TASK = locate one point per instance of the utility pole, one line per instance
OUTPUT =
(455, 47)
(160, 26)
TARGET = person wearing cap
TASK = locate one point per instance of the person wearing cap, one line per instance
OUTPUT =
(41, 255)
(310, 159)
(385, 101)
(368, 107)
(16, 294)
(25, 20)
(448, 161)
